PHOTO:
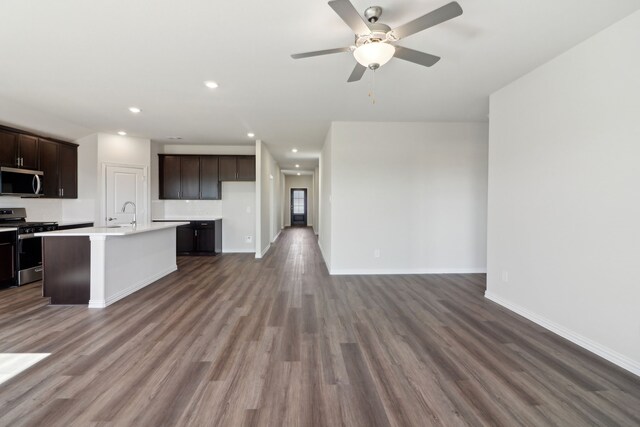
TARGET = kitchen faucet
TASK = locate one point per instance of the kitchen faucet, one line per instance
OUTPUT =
(124, 207)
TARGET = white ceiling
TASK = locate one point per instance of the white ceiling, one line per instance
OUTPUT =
(73, 67)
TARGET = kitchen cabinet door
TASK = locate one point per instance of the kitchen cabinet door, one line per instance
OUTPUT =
(68, 171)
(169, 177)
(48, 151)
(189, 177)
(7, 258)
(227, 168)
(246, 168)
(59, 162)
(205, 240)
(28, 151)
(209, 182)
(8, 149)
(185, 239)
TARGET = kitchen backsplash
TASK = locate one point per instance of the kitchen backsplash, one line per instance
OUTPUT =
(37, 209)
(186, 208)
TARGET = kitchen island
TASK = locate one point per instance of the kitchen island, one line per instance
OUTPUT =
(101, 265)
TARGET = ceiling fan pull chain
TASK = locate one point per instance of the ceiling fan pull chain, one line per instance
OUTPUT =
(372, 94)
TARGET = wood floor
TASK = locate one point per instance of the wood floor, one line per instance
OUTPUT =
(234, 341)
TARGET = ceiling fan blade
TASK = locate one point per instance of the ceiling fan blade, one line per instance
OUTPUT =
(435, 17)
(415, 56)
(350, 16)
(357, 73)
(320, 52)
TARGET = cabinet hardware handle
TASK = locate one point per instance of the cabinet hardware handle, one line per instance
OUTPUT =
(196, 232)
(62, 189)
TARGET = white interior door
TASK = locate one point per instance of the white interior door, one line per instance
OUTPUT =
(125, 184)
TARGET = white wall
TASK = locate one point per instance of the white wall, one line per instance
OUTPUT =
(122, 150)
(415, 192)
(267, 198)
(564, 205)
(324, 203)
(237, 208)
(295, 181)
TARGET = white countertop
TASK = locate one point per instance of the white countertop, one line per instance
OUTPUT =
(7, 229)
(188, 218)
(107, 231)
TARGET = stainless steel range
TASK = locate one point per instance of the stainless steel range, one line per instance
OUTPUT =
(29, 247)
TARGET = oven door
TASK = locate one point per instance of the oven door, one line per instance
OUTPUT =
(29, 258)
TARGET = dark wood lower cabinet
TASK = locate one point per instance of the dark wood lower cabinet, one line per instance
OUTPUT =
(8, 241)
(66, 269)
(185, 240)
(199, 238)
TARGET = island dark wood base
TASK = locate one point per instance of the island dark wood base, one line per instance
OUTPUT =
(67, 269)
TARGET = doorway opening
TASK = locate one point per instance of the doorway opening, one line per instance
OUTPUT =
(299, 207)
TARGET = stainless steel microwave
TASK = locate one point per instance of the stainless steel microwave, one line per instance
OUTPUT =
(20, 182)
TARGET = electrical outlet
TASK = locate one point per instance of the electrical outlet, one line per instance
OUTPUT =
(248, 239)
(505, 276)
(376, 253)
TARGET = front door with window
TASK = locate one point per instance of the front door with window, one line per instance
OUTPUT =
(299, 207)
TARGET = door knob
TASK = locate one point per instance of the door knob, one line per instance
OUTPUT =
(111, 219)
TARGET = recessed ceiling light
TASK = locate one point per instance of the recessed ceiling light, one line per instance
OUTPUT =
(298, 173)
(251, 134)
(297, 166)
(134, 110)
(174, 137)
(294, 150)
(211, 84)
(122, 133)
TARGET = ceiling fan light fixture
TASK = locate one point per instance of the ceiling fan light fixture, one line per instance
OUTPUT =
(374, 54)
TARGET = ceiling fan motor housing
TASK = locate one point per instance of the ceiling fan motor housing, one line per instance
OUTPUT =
(378, 33)
(373, 13)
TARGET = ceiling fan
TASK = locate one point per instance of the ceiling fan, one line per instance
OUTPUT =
(374, 41)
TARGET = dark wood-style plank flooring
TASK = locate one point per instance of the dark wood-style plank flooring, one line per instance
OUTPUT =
(234, 341)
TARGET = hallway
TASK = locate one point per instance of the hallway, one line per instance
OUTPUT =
(231, 340)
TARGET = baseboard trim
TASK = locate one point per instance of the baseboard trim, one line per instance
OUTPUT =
(606, 353)
(324, 257)
(136, 287)
(404, 271)
(276, 236)
(264, 251)
(238, 251)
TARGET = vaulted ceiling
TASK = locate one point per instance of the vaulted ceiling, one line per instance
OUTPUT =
(73, 67)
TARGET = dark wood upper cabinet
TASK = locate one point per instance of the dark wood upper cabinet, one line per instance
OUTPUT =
(228, 168)
(246, 168)
(237, 168)
(68, 171)
(169, 177)
(28, 151)
(59, 162)
(18, 150)
(193, 177)
(209, 181)
(49, 165)
(8, 149)
(190, 177)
